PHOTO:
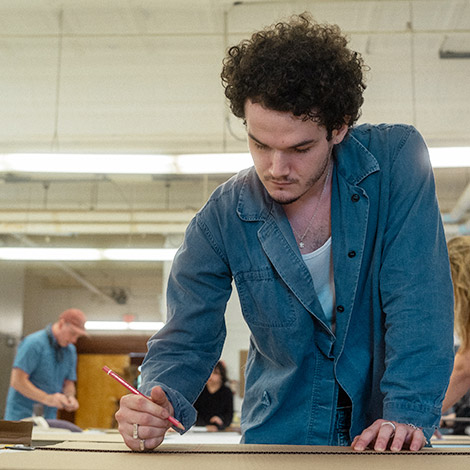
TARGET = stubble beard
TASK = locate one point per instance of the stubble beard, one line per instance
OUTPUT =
(309, 184)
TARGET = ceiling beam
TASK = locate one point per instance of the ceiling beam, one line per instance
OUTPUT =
(61, 222)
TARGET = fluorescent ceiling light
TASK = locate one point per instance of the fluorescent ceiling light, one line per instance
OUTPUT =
(215, 163)
(125, 164)
(86, 254)
(123, 326)
(450, 157)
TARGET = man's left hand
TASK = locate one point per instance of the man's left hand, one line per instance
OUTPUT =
(383, 434)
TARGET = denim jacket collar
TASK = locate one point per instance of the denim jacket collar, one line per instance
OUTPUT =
(354, 161)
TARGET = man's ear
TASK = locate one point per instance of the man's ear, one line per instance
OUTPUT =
(338, 135)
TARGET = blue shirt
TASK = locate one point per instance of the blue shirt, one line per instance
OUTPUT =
(392, 350)
(48, 366)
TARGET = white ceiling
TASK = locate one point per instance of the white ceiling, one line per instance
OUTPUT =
(117, 75)
(142, 76)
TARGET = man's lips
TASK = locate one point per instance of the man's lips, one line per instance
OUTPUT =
(270, 179)
(280, 184)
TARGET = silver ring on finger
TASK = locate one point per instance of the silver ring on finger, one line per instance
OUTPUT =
(142, 444)
(415, 428)
(389, 423)
(135, 431)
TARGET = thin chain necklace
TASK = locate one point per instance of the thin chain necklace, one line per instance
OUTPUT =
(301, 238)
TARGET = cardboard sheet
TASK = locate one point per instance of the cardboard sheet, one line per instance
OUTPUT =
(448, 440)
(59, 435)
(104, 456)
(51, 436)
(198, 436)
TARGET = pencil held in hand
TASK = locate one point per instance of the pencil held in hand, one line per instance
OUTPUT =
(133, 390)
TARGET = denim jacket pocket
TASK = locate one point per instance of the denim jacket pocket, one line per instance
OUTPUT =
(265, 299)
(258, 410)
(266, 399)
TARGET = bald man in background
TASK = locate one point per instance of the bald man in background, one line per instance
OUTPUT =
(44, 371)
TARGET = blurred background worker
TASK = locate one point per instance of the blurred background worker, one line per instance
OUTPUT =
(44, 370)
(215, 403)
(457, 395)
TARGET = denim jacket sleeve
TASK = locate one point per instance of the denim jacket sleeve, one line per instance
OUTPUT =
(182, 355)
(417, 296)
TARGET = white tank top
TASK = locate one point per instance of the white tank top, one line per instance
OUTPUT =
(320, 265)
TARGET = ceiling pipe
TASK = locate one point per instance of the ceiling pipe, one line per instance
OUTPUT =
(80, 279)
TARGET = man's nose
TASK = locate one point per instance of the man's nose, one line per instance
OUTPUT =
(279, 167)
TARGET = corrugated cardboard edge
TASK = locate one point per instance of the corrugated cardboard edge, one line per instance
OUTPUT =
(241, 449)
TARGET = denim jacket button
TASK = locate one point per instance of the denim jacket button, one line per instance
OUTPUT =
(355, 198)
(340, 308)
(352, 254)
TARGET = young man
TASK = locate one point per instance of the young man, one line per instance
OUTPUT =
(44, 370)
(335, 243)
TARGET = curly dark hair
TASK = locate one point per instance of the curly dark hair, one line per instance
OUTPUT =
(298, 66)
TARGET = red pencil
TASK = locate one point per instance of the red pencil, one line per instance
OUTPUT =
(129, 387)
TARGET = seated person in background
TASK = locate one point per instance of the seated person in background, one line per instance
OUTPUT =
(459, 255)
(462, 410)
(215, 403)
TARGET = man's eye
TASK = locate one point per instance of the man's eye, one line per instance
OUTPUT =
(302, 150)
(260, 146)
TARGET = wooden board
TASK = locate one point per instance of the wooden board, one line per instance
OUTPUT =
(98, 394)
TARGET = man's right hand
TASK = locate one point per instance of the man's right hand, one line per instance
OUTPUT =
(149, 416)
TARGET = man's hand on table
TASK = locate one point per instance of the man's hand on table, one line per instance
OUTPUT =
(383, 434)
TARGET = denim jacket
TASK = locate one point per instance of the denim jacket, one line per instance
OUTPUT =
(392, 350)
